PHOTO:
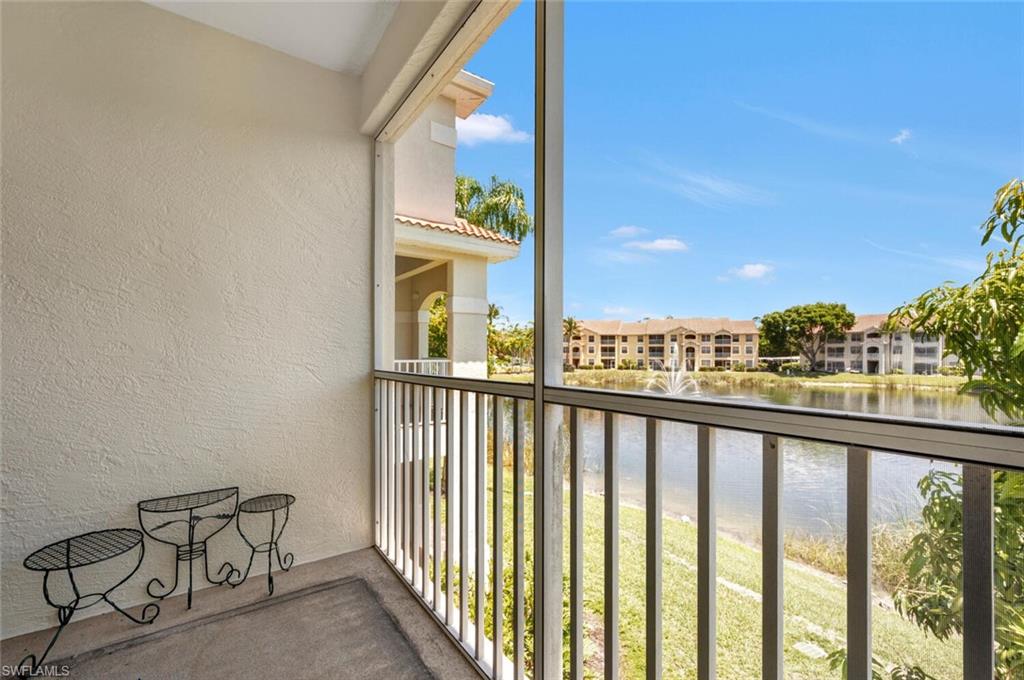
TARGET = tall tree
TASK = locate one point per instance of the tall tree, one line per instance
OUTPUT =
(806, 328)
(983, 321)
(570, 327)
(501, 206)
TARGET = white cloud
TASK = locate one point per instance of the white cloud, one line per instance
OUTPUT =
(481, 128)
(901, 137)
(659, 245)
(809, 125)
(620, 311)
(752, 271)
(627, 231)
(704, 188)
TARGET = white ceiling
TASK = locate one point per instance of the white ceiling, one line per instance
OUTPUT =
(340, 36)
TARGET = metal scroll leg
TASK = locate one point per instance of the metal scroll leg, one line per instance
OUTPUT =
(159, 583)
(64, 615)
(145, 617)
(224, 578)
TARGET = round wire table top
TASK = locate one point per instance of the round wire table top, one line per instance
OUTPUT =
(267, 503)
(187, 501)
(83, 550)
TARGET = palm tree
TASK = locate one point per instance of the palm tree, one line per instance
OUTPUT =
(570, 327)
(500, 207)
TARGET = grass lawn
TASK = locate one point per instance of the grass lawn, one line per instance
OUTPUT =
(815, 604)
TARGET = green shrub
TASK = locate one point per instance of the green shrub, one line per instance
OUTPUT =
(627, 365)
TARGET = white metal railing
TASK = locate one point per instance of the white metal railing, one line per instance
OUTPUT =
(440, 367)
(433, 493)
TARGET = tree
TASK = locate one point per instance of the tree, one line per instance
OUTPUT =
(983, 321)
(571, 327)
(437, 328)
(805, 328)
(500, 207)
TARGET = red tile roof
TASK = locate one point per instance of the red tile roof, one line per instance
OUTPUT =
(460, 227)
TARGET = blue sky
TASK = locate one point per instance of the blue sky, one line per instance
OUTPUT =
(731, 159)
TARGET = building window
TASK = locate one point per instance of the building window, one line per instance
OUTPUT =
(590, 362)
(750, 338)
(639, 349)
(897, 349)
(625, 350)
(855, 349)
(625, 338)
(705, 362)
(898, 337)
(856, 337)
(750, 363)
(705, 338)
(590, 350)
(575, 350)
(735, 338)
(749, 349)
(639, 363)
(672, 349)
(590, 338)
(926, 351)
(735, 349)
(705, 349)
(673, 338)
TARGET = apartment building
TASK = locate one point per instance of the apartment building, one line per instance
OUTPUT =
(690, 344)
(868, 348)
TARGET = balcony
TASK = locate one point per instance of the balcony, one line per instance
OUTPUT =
(208, 282)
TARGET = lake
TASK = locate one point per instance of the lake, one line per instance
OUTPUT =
(814, 478)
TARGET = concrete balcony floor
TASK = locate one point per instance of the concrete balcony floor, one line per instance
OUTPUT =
(344, 617)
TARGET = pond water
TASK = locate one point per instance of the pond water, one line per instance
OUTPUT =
(814, 481)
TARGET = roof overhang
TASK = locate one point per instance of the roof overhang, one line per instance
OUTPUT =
(469, 91)
(413, 241)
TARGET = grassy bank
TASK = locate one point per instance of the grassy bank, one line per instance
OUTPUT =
(815, 603)
(611, 377)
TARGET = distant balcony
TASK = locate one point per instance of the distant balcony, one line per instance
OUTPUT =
(441, 367)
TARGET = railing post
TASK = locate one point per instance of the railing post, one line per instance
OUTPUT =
(377, 490)
(771, 556)
(425, 494)
(575, 547)
(480, 485)
(518, 539)
(858, 556)
(497, 537)
(464, 562)
(414, 493)
(655, 552)
(437, 499)
(979, 613)
(449, 530)
(707, 644)
(611, 546)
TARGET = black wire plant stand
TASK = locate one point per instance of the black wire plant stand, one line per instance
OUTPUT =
(82, 551)
(270, 503)
(188, 521)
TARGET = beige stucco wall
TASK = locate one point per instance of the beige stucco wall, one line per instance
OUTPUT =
(425, 168)
(186, 285)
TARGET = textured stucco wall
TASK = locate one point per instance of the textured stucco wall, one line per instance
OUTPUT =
(186, 285)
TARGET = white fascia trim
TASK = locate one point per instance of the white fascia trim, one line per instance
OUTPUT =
(420, 242)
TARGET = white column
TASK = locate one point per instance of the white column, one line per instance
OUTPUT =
(467, 317)
(423, 334)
